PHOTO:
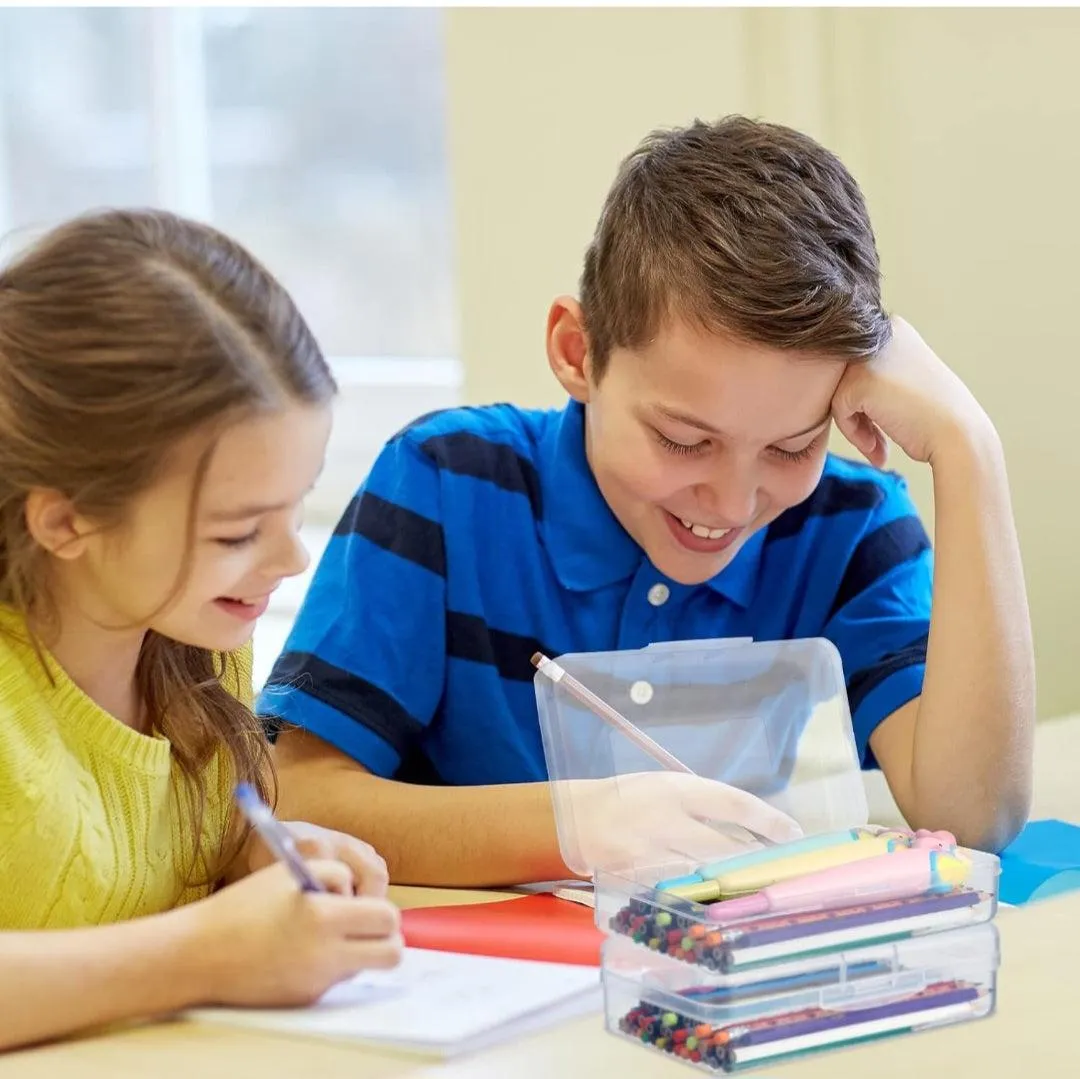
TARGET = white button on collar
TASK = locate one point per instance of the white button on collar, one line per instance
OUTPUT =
(659, 594)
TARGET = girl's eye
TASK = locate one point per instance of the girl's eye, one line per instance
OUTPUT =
(238, 541)
(680, 448)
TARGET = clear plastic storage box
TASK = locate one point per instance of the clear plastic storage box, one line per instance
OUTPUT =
(692, 897)
(731, 1023)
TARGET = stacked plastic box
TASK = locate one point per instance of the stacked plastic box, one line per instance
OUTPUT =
(804, 970)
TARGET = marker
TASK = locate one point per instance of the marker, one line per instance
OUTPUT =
(826, 841)
(899, 875)
(702, 891)
(754, 878)
(275, 835)
(785, 866)
(711, 870)
(679, 882)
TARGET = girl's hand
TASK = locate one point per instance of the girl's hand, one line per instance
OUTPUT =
(264, 943)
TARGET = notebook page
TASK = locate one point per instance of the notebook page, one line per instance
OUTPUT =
(436, 1003)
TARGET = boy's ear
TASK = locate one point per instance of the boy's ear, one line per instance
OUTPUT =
(54, 524)
(568, 347)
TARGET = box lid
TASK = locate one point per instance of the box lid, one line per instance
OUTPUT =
(769, 718)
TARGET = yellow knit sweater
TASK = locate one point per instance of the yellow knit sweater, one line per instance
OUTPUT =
(90, 828)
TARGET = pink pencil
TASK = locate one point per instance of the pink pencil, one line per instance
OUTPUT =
(897, 875)
(604, 710)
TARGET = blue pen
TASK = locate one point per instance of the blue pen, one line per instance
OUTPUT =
(275, 835)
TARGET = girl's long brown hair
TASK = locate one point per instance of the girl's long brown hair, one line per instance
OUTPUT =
(122, 333)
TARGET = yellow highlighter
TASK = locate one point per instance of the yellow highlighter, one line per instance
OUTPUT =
(753, 878)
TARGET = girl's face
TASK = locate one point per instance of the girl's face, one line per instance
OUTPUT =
(245, 543)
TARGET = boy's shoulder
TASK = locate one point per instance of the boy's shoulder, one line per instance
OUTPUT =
(501, 424)
(494, 449)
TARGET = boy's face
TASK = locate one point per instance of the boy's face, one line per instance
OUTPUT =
(697, 441)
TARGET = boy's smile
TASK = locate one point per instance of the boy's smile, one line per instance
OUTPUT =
(701, 538)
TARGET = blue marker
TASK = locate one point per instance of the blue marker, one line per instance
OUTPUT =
(720, 994)
(275, 835)
(798, 846)
(762, 857)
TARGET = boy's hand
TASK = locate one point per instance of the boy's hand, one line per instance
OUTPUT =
(369, 871)
(907, 394)
(652, 818)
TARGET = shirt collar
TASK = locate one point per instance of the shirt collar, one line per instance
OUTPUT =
(588, 547)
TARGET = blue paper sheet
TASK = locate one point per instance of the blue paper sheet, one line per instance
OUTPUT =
(1042, 861)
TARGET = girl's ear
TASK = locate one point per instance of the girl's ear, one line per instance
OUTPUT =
(54, 524)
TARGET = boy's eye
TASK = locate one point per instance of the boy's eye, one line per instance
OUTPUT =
(681, 448)
(796, 455)
(238, 541)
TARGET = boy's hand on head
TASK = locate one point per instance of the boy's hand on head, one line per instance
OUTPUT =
(313, 843)
(908, 395)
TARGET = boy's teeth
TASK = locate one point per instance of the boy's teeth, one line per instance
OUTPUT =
(702, 532)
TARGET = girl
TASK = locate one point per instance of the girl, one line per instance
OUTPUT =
(164, 409)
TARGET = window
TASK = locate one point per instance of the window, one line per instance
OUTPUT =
(316, 137)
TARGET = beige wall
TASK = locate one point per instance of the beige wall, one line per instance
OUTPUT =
(962, 126)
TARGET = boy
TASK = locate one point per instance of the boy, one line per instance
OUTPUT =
(730, 312)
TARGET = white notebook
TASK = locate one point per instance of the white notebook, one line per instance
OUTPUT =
(435, 1003)
(575, 891)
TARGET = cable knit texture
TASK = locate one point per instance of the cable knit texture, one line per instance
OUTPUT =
(91, 830)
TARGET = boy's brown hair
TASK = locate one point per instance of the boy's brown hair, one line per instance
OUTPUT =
(737, 226)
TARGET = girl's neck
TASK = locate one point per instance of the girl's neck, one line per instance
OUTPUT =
(100, 661)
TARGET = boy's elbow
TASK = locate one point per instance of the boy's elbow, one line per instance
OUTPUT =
(991, 827)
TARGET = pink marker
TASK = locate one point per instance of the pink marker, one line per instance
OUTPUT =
(888, 876)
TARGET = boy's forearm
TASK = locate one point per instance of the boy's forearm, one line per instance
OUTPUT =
(57, 982)
(457, 837)
(972, 749)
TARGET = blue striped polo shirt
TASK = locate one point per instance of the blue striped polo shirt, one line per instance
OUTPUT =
(480, 537)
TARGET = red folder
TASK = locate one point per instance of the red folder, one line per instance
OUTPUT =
(532, 927)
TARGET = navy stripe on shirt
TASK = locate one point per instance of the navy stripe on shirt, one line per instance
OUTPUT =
(396, 529)
(467, 454)
(862, 683)
(834, 494)
(882, 550)
(470, 637)
(354, 697)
